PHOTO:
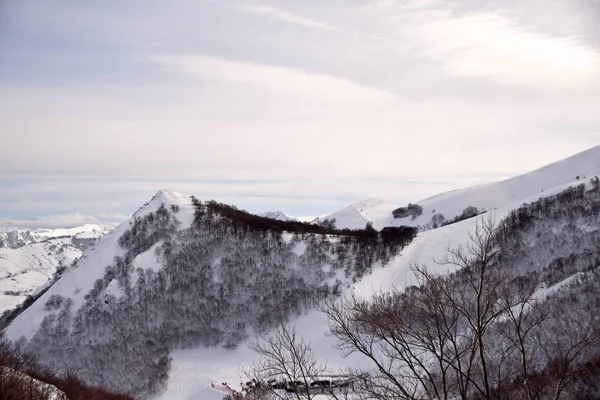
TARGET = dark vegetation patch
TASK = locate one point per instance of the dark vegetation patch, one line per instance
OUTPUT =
(16, 361)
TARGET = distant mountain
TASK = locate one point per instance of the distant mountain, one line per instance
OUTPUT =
(30, 259)
(13, 238)
(278, 215)
(356, 216)
(16, 238)
(485, 197)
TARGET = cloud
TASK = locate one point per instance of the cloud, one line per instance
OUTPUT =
(112, 218)
(278, 79)
(508, 42)
(223, 103)
(491, 45)
(63, 221)
(282, 15)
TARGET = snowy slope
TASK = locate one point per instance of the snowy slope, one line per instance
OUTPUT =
(83, 231)
(357, 215)
(194, 369)
(14, 237)
(76, 283)
(26, 268)
(488, 196)
(278, 215)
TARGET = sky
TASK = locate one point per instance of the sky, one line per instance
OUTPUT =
(303, 106)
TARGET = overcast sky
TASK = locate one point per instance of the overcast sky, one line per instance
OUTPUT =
(301, 105)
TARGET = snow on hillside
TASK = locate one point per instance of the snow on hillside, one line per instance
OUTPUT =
(26, 268)
(486, 197)
(278, 215)
(205, 286)
(83, 231)
(76, 283)
(14, 237)
(356, 216)
(193, 370)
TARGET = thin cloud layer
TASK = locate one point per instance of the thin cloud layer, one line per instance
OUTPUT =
(287, 81)
(284, 16)
(490, 45)
(298, 106)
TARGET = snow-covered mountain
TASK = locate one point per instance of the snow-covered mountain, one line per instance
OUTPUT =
(490, 196)
(28, 267)
(188, 273)
(14, 238)
(278, 215)
(356, 216)
(163, 304)
(194, 369)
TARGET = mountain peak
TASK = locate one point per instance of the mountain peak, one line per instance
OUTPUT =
(167, 195)
(163, 196)
(278, 215)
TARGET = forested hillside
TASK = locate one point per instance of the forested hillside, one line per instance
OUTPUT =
(206, 284)
(518, 319)
(187, 274)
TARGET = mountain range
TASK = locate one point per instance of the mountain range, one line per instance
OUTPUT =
(279, 215)
(485, 197)
(164, 303)
(30, 259)
(13, 238)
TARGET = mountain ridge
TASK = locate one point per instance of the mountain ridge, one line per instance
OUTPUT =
(184, 276)
(18, 237)
(278, 215)
(27, 268)
(484, 197)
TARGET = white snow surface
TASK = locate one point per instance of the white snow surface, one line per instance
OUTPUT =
(279, 215)
(489, 196)
(29, 259)
(16, 237)
(83, 231)
(26, 269)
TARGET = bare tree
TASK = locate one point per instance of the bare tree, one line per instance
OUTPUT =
(566, 349)
(473, 334)
(428, 342)
(478, 333)
(285, 357)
